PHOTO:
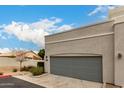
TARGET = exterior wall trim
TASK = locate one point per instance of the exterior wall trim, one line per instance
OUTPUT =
(76, 54)
(84, 37)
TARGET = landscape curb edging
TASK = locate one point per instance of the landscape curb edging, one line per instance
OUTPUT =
(5, 76)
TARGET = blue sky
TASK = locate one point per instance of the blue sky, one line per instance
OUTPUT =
(24, 27)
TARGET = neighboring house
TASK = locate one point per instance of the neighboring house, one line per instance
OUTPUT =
(94, 52)
(32, 55)
(10, 60)
(26, 54)
(9, 54)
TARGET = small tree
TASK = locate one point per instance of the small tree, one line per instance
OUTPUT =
(20, 57)
(41, 53)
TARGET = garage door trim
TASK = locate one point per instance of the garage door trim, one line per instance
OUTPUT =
(99, 64)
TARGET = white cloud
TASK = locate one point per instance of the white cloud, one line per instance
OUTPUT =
(2, 26)
(64, 27)
(35, 32)
(25, 33)
(19, 49)
(5, 50)
(96, 10)
(101, 9)
(45, 24)
(36, 52)
(103, 16)
(2, 37)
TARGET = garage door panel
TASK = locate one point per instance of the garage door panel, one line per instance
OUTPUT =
(62, 72)
(87, 68)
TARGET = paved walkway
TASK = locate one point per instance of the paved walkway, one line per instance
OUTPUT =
(55, 81)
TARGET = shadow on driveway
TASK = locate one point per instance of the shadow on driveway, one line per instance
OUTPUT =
(12, 82)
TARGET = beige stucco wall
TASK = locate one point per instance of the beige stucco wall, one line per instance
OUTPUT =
(119, 48)
(117, 14)
(95, 29)
(98, 42)
(105, 39)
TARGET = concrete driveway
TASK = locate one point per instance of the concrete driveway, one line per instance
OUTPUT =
(55, 81)
(11, 82)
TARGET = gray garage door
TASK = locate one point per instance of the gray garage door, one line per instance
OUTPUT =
(85, 68)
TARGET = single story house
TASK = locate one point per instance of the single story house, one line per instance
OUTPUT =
(8, 54)
(26, 54)
(94, 52)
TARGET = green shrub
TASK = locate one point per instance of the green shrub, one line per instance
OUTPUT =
(1, 73)
(26, 68)
(14, 70)
(40, 64)
(12, 56)
(36, 71)
(29, 67)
